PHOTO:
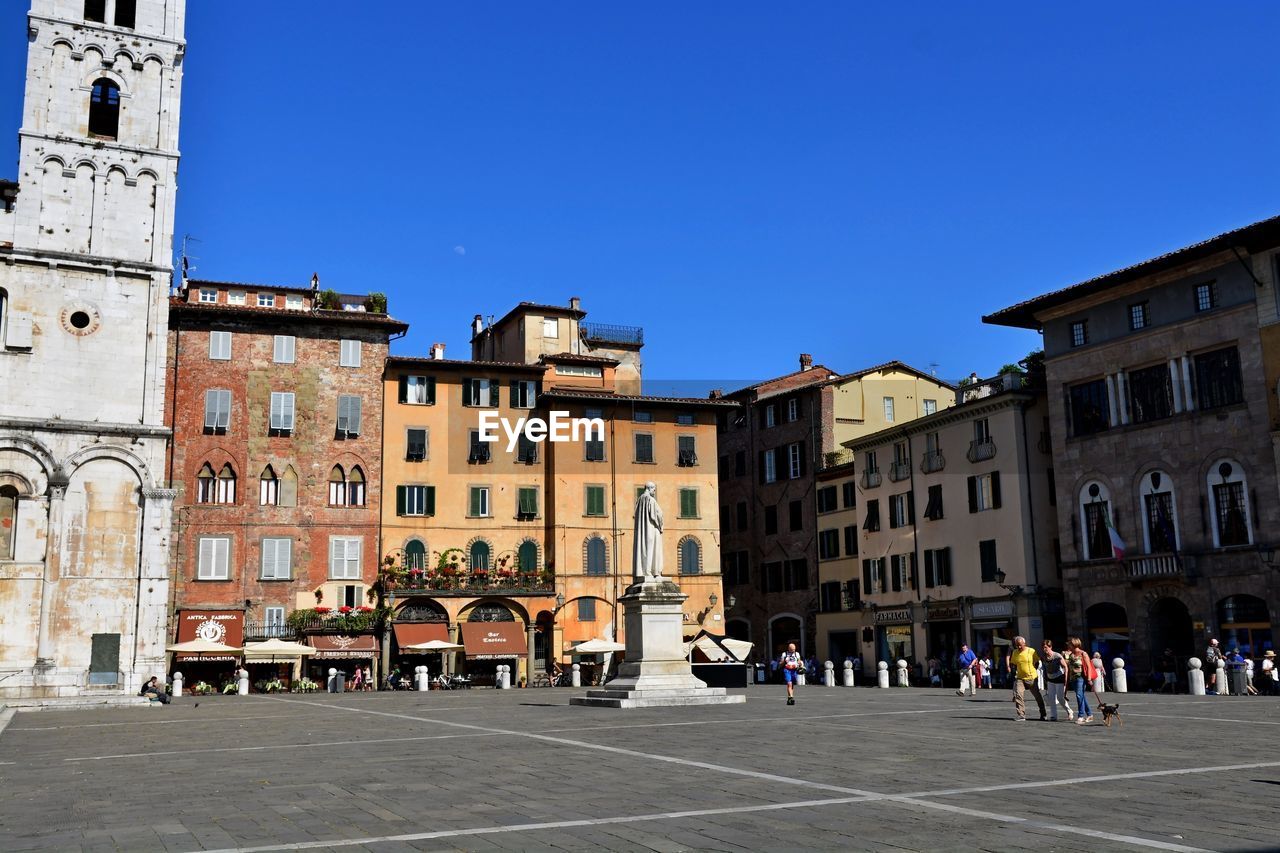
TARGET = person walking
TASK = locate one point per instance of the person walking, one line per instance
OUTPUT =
(1055, 680)
(1024, 664)
(1078, 666)
(964, 663)
(1270, 674)
(986, 670)
(790, 663)
(1099, 675)
(357, 679)
(1212, 655)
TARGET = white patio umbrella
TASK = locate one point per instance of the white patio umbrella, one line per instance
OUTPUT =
(205, 647)
(432, 646)
(598, 647)
(275, 648)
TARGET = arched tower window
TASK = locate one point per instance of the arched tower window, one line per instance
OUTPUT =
(527, 554)
(480, 556)
(337, 487)
(355, 487)
(289, 487)
(415, 554)
(96, 11)
(126, 13)
(8, 520)
(226, 485)
(206, 483)
(597, 556)
(268, 487)
(104, 109)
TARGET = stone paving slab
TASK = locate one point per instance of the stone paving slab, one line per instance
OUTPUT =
(844, 769)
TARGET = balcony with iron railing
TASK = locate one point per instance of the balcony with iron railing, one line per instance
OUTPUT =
(258, 631)
(870, 479)
(980, 450)
(932, 462)
(1153, 566)
(606, 333)
(900, 470)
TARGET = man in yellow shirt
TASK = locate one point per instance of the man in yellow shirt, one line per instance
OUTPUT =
(1023, 662)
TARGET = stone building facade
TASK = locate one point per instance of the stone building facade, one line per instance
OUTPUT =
(86, 237)
(1162, 429)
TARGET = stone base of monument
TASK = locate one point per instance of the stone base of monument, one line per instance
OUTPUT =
(655, 672)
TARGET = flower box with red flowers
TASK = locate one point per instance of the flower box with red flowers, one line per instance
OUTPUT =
(364, 609)
(346, 608)
(323, 609)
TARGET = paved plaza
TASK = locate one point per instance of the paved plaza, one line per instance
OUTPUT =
(845, 769)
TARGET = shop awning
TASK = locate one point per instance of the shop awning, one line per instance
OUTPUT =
(494, 639)
(341, 646)
(412, 633)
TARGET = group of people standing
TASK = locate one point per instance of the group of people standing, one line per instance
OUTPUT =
(1072, 668)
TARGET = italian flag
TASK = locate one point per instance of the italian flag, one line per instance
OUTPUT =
(1117, 544)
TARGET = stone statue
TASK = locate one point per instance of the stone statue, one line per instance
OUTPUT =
(647, 554)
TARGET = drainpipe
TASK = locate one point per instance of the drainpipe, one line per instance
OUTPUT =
(613, 495)
(1031, 520)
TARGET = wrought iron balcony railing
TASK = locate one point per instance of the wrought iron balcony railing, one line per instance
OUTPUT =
(611, 334)
(899, 471)
(870, 479)
(933, 462)
(257, 631)
(980, 450)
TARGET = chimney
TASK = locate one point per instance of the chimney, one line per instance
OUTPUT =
(477, 325)
(806, 361)
(437, 351)
(575, 304)
(716, 394)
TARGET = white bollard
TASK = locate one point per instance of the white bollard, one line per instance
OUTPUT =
(242, 686)
(576, 678)
(882, 675)
(903, 680)
(332, 685)
(848, 673)
(828, 674)
(1119, 679)
(177, 685)
(1221, 684)
(800, 677)
(423, 677)
(506, 677)
(1195, 678)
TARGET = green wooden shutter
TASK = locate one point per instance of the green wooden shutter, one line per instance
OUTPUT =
(431, 499)
(973, 494)
(475, 502)
(431, 390)
(404, 389)
(866, 575)
(468, 398)
(995, 489)
(495, 392)
(400, 500)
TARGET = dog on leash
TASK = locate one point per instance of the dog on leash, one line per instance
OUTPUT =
(1109, 713)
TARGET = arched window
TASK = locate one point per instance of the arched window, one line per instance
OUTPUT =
(289, 487)
(1229, 491)
(268, 487)
(1160, 514)
(527, 554)
(8, 520)
(337, 487)
(690, 556)
(126, 13)
(415, 554)
(226, 485)
(104, 109)
(1095, 522)
(96, 11)
(480, 556)
(206, 485)
(355, 487)
(490, 611)
(4, 310)
(597, 556)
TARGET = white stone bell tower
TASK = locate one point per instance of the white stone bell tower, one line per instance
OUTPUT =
(86, 244)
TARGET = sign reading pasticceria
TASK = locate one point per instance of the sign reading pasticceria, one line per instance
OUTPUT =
(216, 626)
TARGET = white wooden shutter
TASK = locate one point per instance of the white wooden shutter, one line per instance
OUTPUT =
(220, 346)
(269, 558)
(286, 410)
(284, 345)
(205, 566)
(17, 331)
(350, 354)
(284, 558)
(210, 409)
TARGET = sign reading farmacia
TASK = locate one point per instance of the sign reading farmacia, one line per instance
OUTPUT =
(560, 427)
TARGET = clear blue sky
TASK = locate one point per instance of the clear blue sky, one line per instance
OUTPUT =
(746, 180)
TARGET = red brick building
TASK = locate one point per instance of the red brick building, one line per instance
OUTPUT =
(276, 410)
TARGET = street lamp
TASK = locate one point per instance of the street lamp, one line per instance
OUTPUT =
(1012, 588)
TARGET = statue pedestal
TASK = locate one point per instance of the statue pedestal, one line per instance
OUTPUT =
(655, 673)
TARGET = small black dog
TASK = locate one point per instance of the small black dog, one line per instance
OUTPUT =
(1109, 713)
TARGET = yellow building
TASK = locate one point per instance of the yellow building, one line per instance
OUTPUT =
(518, 549)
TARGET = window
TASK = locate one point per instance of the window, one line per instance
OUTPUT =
(796, 512)
(829, 544)
(1218, 380)
(987, 559)
(225, 489)
(594, 444)
(827, 499)
(337, 486)
(550, 327)
(937, 567)
(644, 447)
(415, 439)
(293, 303)
(642, 417)
(690, 556)
(214, 560)
(1138, 316)
(277, 559)
(482, 393)
(8, 520)
(793, 409)
(126, 13)
(851, 540)
(684, 419)
(206, 485)
(795, 460)
(902, 571)
(933, 508)
(478, 507)
(273, 621)
(769, 465)
(785, 576)
(415, 500)
(288, 487)
(344, 557)
(593, 501)
(266, 300)
(1095, 516)
(848, 494)
(686, 451)
(930, 407)
(741, 512)
(235, 297)
(282, 352)
(1080, 333)
(104, 109)
(735, 568)
(526, 450)
(981, 431)
(355, 487)
(281, 421)
(689, 503)
(527, 556)
(208, 295)
(770, 520)
(349, 355)
(872, 522)
(586, 610)
(268, 487)
(348, 415)
(902, 510)
(526, 503)
(771, 415)
(478, 452)
(740, 463)
(1150, 394)
(1206, 296)
(481, 555)
(1161, 536)
(579, 370)
(597, 559)
(984, 492)
(220, 346)
(1088, 409)
(871, 465)
(1231, 518)
(888, 409)
(524, 393)
(873, 575)
(418, 390)
(96, 11)
(217, 411)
